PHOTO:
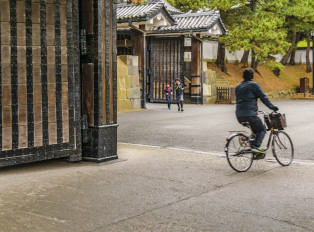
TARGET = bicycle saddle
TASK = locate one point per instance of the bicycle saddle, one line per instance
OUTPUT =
(246, 124)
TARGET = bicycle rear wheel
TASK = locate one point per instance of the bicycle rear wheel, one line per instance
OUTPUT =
(238, 152)
(283, 149)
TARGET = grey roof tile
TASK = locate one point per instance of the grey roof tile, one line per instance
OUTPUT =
(171, 9)
(180, 22)
(193, 21)
(125, 11)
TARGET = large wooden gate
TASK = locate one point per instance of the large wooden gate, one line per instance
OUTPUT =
(166, 64)
(39, 81)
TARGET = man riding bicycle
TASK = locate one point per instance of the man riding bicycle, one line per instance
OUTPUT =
(247, 93)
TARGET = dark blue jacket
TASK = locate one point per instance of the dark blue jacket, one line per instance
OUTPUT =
(179, 89)
(247, 93)
(166, 92)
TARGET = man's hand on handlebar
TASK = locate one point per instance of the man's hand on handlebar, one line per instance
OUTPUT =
(275, 108)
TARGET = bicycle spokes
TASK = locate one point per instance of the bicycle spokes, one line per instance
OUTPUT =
(283, 149)
(238, 153)
(279, 143)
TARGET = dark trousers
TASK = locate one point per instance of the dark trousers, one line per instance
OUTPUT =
(180, 101)
(169, 100)
(257, 126)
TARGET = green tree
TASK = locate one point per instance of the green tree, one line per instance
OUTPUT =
(187, 5)
(299, 18)
(230, 13)
(254, 26)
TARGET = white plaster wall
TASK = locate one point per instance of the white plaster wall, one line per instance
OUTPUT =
(210, 53)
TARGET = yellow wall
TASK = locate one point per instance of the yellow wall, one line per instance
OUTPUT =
(129, 94)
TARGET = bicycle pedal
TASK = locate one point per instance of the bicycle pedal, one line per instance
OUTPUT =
(259, 156)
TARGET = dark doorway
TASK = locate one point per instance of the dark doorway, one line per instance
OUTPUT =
(166, 65)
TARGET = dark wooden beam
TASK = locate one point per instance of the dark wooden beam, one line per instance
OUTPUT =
(196, 71)
(126, 43)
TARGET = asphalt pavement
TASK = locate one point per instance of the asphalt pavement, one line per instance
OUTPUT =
(178, 181)
(206, 127)
(156, 189)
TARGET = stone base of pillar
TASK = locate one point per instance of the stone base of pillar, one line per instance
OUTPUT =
(75, 157)
(101, 144)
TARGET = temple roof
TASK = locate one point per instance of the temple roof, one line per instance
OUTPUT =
(194, 22)
(171, 9)
(144, 12)
(208, 22)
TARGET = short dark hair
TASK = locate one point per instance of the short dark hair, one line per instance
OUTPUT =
(177, 79)
(248, 74)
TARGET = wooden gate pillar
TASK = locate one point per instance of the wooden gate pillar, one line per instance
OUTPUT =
(99, 80)
(140, 51)
(196, 71)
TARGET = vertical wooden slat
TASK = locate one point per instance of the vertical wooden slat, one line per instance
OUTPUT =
(163, 65)
(196, 71)
(107, 59)
(22, 70)
(182, 68)
(151, 88)
(88, 92)
(98, 90)
(112, 41)
(14, 75)
(105, 72)
(29, 71)
(6, 112)
(44, 81)
(166, 63)
(159, 68)
(114, 62)
(156, 68)
(51, 71)
(178, 60)
(170, 65)
(58, 71)
(174, 60)
(76, 77)
(70, 72)
(36, 70)
(0, 78)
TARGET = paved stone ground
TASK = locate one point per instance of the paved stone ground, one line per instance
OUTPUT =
(206, 127)
(156, 189)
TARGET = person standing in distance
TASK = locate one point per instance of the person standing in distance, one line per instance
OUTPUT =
(247, 94)
(179, 87)
(168, 93)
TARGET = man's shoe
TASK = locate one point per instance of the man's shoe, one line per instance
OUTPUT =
(182, 110)
(179, 109)
(258, 150)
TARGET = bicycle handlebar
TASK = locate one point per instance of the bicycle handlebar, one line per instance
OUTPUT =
(263, 112)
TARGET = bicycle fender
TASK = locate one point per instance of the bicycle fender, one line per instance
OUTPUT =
(231, 136)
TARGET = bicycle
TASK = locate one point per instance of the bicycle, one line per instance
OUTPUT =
(238, 147)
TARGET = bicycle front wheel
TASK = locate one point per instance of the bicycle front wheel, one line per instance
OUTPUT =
(238, 152)
(283, 149)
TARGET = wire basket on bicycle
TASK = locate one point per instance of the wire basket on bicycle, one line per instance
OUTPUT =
(275, 121)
